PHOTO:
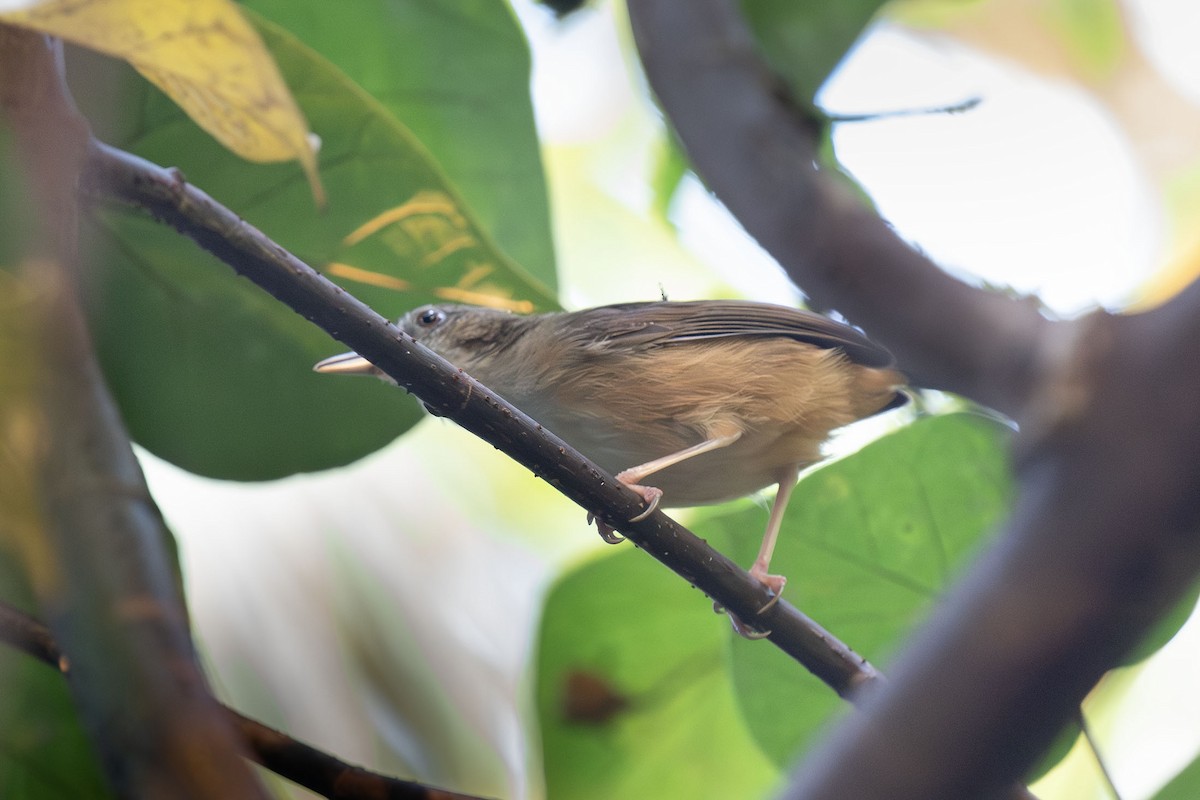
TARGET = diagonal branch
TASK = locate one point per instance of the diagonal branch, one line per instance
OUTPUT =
(452, 393)
(755, 150)
(300, 763)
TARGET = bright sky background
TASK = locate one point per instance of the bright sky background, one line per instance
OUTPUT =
(1034, 188)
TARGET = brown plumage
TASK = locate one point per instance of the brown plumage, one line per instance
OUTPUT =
(715, 399)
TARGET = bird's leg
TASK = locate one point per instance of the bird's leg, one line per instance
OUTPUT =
(775, 583)
(651, 494)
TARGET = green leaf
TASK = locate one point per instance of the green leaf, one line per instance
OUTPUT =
(670, 167)
(44, 752)
(1185, 785)
(1166, 628)
(867, 544)
(633, 692)
(805, 41)
(457, 76)
(1095, 33)
(210, 372)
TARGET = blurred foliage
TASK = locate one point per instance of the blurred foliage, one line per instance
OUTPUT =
(179, 340)
(457, 76)
(804, 42)
(1185, 785)
(671, 165)
(44, 752)
(633, 691)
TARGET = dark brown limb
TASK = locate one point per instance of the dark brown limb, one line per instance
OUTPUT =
(1103, 538)
(77, 512)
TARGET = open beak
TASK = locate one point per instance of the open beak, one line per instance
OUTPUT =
(347, 364)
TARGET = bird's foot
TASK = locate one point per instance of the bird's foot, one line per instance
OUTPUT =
(607, 532)
(773, 582)
(650, 496)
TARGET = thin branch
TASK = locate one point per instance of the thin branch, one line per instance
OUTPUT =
(755, 150)
(24, 633)
(290, 758)
(89, 536)
(452, 393)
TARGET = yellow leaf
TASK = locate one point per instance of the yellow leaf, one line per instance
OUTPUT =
(204, 55)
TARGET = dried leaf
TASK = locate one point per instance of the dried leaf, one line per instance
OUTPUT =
(204, 55)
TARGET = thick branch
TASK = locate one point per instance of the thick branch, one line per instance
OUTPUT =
(756, 152)
(92, 540)
(1103, 537)
(454, 394)
(300, 763)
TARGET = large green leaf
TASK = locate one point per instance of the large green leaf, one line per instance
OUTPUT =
(44, 752)
(868, 542)
(457, 76)
(633, 691)
(210, 372)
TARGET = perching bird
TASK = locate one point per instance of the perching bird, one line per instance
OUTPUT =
(715, 399)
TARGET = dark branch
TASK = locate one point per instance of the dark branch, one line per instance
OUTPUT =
(755, 151)
(455, 395)
(326, 774)
(91, 539)
(1103, 537)
(300, 763)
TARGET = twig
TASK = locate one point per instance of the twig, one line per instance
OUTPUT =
(290, 758)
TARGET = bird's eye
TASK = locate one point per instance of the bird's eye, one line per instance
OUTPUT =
(428, 317)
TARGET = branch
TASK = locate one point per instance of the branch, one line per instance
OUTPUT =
(1102, 541)
(756, 152)
(451, 393)
(89, 536)
(300, 763)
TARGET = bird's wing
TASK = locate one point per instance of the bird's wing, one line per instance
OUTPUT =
(666, 323)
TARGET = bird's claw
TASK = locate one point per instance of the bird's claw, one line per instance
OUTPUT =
(606, 531)
(741, 628)
(775, 584)
(650, 495)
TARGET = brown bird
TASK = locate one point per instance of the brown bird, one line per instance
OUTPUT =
(715, 399)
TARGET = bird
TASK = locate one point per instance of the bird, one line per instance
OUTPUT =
(687, 402)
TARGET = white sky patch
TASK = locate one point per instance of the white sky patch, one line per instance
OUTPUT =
(1035, 188)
